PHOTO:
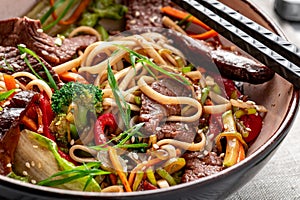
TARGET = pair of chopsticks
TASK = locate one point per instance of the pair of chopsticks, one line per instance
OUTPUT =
(265, 46)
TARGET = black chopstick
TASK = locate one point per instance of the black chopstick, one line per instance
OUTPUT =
(265, 46)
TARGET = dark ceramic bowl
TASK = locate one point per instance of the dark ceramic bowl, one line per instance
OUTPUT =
(281, 100)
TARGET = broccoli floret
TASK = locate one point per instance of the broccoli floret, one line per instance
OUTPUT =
(78, 98)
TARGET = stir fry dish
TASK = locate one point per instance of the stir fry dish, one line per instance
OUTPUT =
(153, 103)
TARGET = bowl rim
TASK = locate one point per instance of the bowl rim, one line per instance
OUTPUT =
(256, 157)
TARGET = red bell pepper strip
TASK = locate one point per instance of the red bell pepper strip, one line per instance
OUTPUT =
(254, 124)
(47, 117)
(103, 121)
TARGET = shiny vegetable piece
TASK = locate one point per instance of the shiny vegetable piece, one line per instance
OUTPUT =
(165, 175)
(174, 165)
(253, 124)
(46, 161)
(232, 155)
(103, 121)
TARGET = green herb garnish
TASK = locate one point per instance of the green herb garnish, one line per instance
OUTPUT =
(65, 11)
(51, 10)
(5, 95)
(138, 58)
(7, 65)
(24, 50)
(119, 98)
(87, 170)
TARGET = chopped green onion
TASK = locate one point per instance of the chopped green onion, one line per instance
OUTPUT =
(204, 95)
(90, 170)
(186, 69)
(65, 11)
(25, 50)
(181, 22)
(103, 32)
(239, 113)
(179, 61)
(251, 111)
(7, 65)
(137, 100)
(165, 175)
(145, 60)
(138, 179)
(151, 176)
(119, 98)
(216, 88)
(51, 10)
(5, 95)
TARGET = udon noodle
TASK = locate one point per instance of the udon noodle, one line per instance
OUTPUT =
(151, 138)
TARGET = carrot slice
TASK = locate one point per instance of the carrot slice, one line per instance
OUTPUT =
(183, 15)
(10, 82)
(71, 76)
(76, 14)
(242, 154)
(206, 35)
(118, 167)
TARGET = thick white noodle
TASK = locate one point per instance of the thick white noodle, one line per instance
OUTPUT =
(42, 85)
(163, 99)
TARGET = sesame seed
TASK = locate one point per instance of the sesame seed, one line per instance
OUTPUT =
(25, 173)
(22, 45)
(137, 13)
(33, 181)
(39, 165)
(32, 163)
(23, 55)
(40, 30)
(250, 102)
(158, 128)
(248, 129)
(132, 139)
(35, 146)
(72, 142)
(186, 127)
(135, 156)
(45, 53)
(15, 65)
(8, 165)
(58, 41)
(133, 21)
(27, 164)
(144, 162)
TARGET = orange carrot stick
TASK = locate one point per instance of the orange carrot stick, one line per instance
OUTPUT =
(71, 76)
(204, 36)
(118, 167)
(10, 82)
(76, 14)
(241, 155)
(182, 15)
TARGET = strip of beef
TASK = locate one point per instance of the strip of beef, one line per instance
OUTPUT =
(11, 62)
(198, 165)
(26, 31)
(10, 118)
(230, 64)
(144, 13)
(155, 114)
